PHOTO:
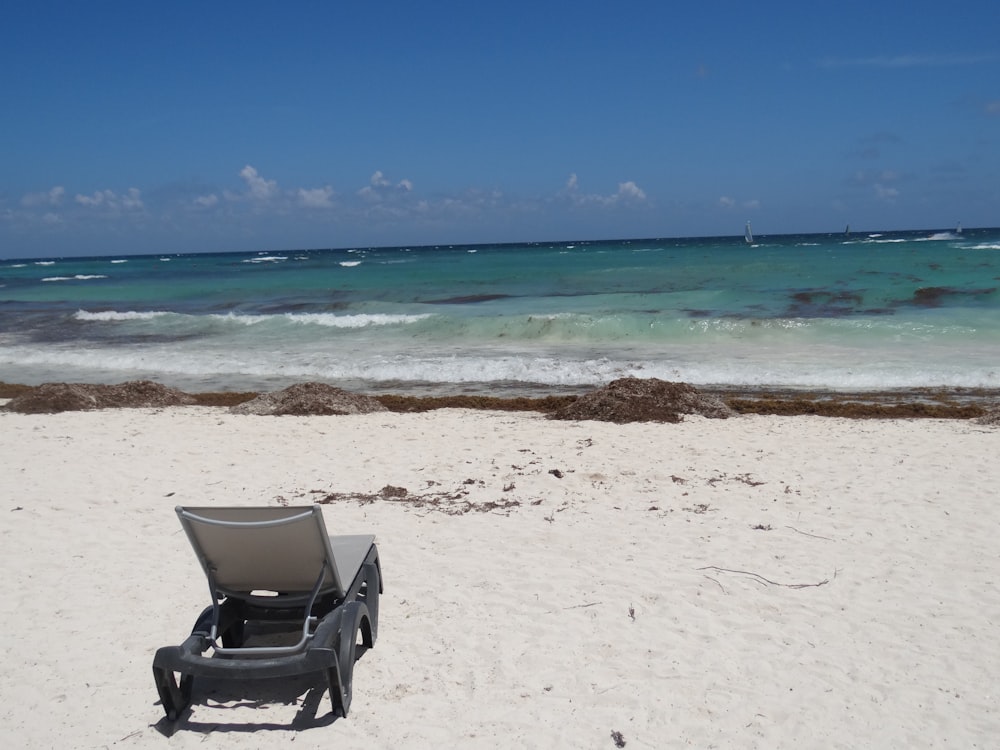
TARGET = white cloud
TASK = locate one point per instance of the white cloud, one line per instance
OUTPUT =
(259, 188)
(52, 197)
(316, 197)
(108, 199)
(207, 201)
(885, 193)
(99, 198)
(630, 191)
(379, 185)
(728, 202)
(132, 200)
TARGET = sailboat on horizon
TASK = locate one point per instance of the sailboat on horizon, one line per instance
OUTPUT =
(748, 234)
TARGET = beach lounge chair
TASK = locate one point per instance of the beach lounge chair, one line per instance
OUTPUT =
(266, 566)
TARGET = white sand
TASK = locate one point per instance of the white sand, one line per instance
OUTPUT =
(628, 595)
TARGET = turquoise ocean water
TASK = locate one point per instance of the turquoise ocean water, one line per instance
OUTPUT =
(861, 311)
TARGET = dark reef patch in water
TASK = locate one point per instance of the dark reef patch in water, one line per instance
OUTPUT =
(282, 308)
(878, 311)
(468, 299)
(935, 296)
(823, 304)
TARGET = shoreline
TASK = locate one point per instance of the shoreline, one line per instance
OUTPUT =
(908, 403)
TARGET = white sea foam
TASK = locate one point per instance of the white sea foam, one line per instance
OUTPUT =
(256, 366)
(266, 259)
(354, 321)
(316, 319)
(112, 315)
(77, 277)
(350, 263)
(120, 261)
(45, 262)
(324, 319)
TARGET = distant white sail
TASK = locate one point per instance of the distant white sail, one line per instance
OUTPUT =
(747, 234)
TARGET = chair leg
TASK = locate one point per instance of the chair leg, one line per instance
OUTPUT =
(341, 702)
(174, 697)
(355, 617)
(373, 585)
(346, 659)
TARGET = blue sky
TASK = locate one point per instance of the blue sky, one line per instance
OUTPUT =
(134, 127)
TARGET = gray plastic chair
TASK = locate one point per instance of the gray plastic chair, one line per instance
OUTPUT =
(274, 565)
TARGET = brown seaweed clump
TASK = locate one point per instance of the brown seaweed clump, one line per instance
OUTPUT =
(644, 400)
(304, 399)
(50, 398)
(990, 416)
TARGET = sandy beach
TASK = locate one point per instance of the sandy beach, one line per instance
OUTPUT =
(756, 582)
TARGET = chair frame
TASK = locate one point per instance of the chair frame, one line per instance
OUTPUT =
(331, 611)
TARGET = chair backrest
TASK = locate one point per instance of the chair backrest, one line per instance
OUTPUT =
(281, 549)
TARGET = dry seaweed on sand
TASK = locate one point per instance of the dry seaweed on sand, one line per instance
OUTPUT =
(644, 400)
(450, 503)
(990, 417)
(50, 398)
(304, 399)
(626, 404)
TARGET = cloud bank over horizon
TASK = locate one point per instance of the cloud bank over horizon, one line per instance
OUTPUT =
(259, 197)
